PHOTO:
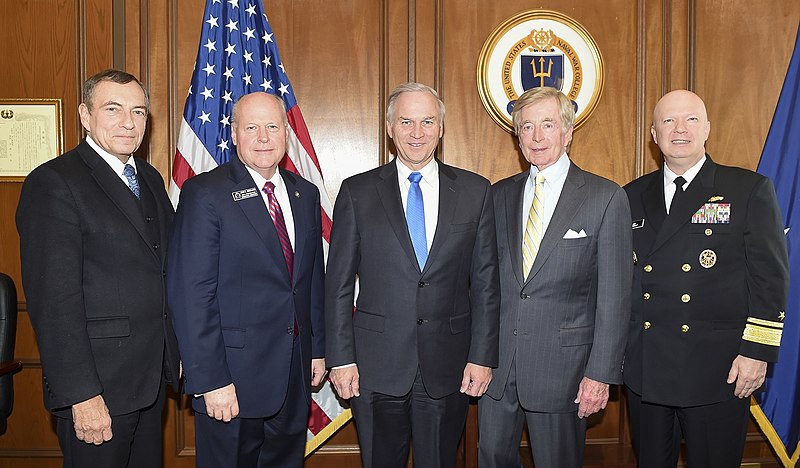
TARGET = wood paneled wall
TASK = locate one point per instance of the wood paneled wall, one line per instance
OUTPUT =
(343, 58)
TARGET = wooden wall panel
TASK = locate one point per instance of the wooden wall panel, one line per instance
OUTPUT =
(343, 58)
(97, 36)
(743, 51)
(332, 55)
(605, 144)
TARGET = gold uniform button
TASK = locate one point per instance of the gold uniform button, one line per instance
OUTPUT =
(648, 268)
(647, 325)
(709, 231)
(684, 328)
(686, 267)
(686, 298)
(646, 296)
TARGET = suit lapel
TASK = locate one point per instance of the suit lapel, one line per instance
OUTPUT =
(298, 199)
(257, 213)
(116, 190)
(389, 193)
(698, 192)
(152, 182)
(653, 202)
(514, 213)
(572, 197)
(448, 199)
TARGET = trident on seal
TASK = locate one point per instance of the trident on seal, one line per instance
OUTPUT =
(542, 74)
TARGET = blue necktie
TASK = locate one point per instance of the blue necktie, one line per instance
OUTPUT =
(130, 173)
(415, 218)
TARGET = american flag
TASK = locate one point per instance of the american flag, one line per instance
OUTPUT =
(238, 55)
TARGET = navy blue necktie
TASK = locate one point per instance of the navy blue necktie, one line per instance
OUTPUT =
(133, 183)
(415, 218)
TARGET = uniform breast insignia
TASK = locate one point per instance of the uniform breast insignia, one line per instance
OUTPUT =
(713, 213)
(716, 198)
(708, 258)
(637, 224)
(243, 194)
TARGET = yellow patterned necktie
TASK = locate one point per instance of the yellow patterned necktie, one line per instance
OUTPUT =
(533, 227)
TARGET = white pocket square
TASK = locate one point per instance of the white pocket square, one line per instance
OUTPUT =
(574, 235)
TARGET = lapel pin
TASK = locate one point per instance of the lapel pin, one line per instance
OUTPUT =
(296, 194)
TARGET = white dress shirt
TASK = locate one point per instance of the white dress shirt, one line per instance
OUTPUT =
(429, 184)
(281, 194)
(669, 180)
(554, 178)
(113, 161)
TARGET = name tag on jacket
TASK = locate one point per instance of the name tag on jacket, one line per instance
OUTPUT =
(243, 194)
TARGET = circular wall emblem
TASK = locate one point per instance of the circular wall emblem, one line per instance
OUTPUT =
(539, 48)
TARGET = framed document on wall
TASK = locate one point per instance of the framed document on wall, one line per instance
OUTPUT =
(30, 134)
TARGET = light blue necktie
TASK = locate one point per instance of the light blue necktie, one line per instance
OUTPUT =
(130, 173)
(415, 218)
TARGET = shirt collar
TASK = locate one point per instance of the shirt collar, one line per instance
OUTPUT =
(689, 175)
(276, 179)
(429, 172)
(552, 173)
(116, 165)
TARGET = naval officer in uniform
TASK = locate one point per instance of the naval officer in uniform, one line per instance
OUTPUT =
(709, 291)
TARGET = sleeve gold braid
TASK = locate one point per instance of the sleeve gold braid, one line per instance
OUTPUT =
(764, 323)
(760, 334)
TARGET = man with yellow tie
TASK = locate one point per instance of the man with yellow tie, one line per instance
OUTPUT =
(564, 247)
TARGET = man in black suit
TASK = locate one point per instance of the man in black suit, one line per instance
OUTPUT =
(93, 228)
(420, 236)
(709, 292)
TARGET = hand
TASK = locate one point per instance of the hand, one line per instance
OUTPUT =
(476, 379)
(345, 381)
(748, 374)
(592, 397)
(222, 404)
(91, 420)
(318, 371)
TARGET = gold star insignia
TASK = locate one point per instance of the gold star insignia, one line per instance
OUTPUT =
(781, 315)
(716, 198)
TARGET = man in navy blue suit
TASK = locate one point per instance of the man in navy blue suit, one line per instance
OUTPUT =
(245, 285)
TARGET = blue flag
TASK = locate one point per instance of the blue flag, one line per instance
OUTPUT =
(778, 412)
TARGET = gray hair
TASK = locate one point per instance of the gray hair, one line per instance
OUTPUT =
(535, 95)
(114, 76)
(412, 88)
(235, 113)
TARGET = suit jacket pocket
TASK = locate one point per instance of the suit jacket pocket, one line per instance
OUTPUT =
(732, 324)
(233, 337)
(574, 242)
(576, 336)
(369, 321)
(459, 323)
(461, 227)
(108, 327)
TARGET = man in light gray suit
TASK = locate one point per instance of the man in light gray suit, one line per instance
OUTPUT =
(564, 246)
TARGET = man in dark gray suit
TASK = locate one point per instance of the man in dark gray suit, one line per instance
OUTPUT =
(93, 226)
(564, 246)
(420, 236)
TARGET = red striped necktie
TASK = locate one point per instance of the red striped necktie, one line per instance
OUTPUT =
(276, 214)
